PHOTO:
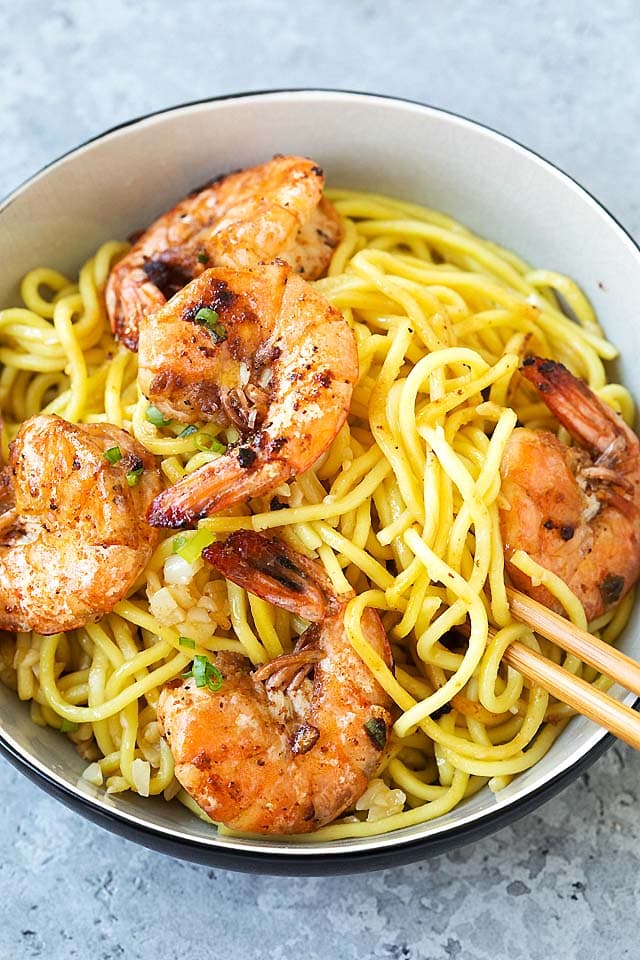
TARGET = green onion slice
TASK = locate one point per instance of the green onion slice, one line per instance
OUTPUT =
(208, 444)
(188, 431)
(156, 417)
(207, 317)
(186, 642)
(113, 455)
(133, 477)
(178, 543)
(195, 545)
(68, 726)
(205, 673)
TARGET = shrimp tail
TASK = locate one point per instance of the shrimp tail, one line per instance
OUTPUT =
(216, 486)
(269, 569)
(136, 297)
(587, 418)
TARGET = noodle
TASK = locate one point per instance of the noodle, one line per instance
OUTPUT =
(403, 508)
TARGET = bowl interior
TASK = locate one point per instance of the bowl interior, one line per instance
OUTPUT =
(120, 182)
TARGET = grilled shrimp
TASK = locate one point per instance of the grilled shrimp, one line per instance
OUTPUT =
(291, 746)
(73, 538)
(575, 510)
(273, 210)
(272, 357)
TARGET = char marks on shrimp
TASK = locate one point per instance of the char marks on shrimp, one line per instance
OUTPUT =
(289, 747)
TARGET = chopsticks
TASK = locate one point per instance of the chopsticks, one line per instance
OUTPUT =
(582, 696)
(583, 645)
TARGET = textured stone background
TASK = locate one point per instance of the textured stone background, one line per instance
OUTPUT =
(563, 78)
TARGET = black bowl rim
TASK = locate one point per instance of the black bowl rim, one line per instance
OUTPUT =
(311, 863)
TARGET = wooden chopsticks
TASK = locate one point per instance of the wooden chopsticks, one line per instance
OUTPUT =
(582, 696)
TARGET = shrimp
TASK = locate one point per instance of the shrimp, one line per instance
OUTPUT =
(277, 361)
(238, 220)
(290, 747)
(575, 510)
(73, 538)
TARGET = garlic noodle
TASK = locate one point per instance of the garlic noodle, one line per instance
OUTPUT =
(403, 507)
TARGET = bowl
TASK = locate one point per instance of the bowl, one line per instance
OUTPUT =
(121, 180)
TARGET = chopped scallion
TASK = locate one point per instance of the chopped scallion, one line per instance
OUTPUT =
(113, 455)
(178, 543)
(188, 431)
(156, 417)
(68, 726)
(202, 257)
(200, 671)
(186, 642)
(205, 673)
(209, 444)
(215, 678)
(207, 317)
(133, 476)
(195, 545)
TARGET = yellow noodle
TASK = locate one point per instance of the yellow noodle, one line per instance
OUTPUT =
(404, 504)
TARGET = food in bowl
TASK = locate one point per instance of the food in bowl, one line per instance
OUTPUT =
(373, 489)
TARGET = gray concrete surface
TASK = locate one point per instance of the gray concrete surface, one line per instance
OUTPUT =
(563, 77)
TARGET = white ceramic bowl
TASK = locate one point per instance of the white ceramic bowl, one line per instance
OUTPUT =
(120, 181)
